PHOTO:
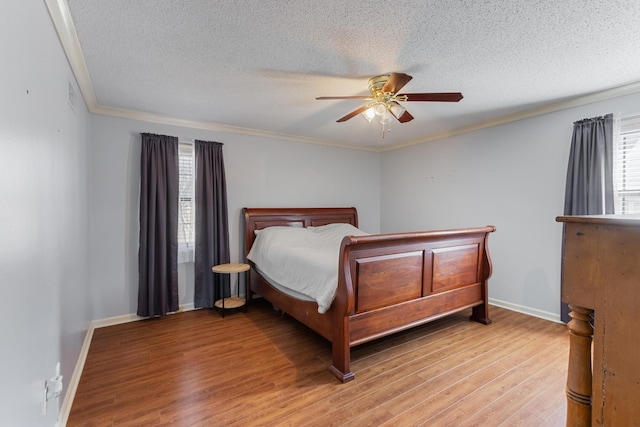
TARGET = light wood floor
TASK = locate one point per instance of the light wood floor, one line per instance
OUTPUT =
(260, 368)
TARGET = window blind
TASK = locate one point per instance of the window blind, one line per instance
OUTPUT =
(186, 232)
(626, 166)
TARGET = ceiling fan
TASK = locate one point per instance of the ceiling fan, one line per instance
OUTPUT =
(384, 100)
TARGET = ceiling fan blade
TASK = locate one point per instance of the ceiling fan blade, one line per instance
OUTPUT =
(353, 114)
(322, 98)
(406, 117)
(436, 97)
(396, 82)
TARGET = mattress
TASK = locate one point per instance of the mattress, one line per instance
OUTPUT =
(302, 262)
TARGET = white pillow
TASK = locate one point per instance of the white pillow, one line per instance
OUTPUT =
(291, 224)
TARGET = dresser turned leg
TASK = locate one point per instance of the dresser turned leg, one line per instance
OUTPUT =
(579, 375)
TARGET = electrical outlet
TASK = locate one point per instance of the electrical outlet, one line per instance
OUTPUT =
(52, 389)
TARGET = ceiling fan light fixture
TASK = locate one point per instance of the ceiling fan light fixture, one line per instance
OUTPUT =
(369, 114)
(380, 109)
(385, 119)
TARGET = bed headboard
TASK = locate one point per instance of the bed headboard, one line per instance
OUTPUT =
(259, 218)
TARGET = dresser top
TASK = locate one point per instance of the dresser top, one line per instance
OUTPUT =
(628, 220)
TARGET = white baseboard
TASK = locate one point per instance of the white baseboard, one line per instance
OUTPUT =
(553, 317)
(65, 409)
(126, 318)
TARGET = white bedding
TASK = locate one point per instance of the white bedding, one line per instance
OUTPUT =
(304, 260)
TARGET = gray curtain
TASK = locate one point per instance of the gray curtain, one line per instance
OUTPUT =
(589, 189)
(158, 251)
(212, 224)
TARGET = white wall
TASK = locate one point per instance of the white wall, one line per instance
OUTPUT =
(260, 173)
(44, 218)
(511, 176)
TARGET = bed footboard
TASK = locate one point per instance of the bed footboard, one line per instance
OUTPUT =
(391, 282)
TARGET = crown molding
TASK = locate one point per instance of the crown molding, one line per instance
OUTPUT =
(529, 113)
(63, 23)
(217, 127)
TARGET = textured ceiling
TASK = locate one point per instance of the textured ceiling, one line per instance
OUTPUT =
(257, 66)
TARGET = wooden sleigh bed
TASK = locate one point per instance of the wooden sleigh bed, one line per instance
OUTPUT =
(386, 282)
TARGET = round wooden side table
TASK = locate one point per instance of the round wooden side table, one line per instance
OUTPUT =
(230, 303)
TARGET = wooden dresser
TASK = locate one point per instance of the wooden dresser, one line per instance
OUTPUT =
(601, 277)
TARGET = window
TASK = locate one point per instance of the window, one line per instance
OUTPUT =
(626, 165)
(186, 209)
